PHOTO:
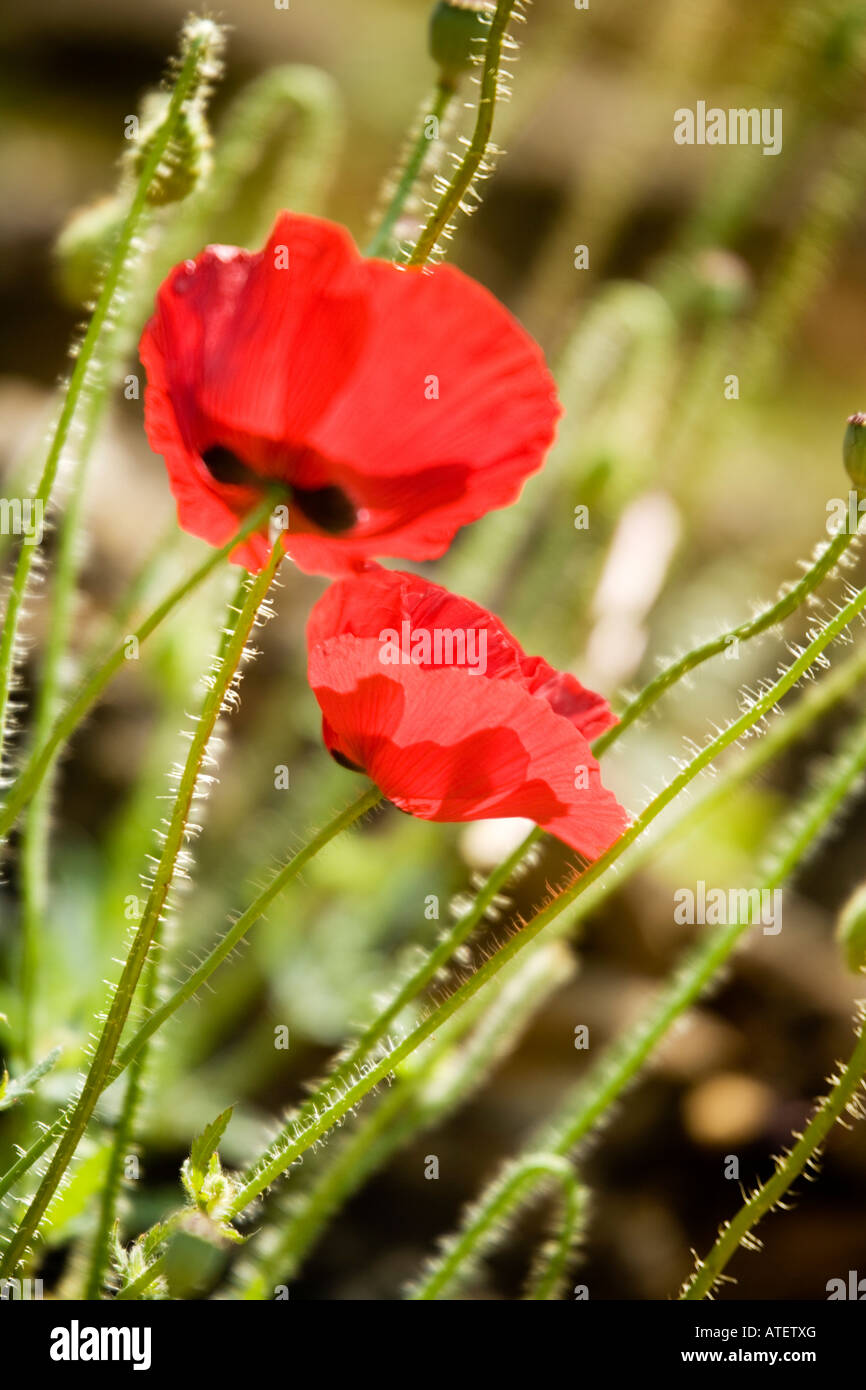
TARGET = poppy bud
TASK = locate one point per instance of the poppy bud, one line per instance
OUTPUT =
(457, 30)
(84, 245)
(184, 160)
(854, 450)
(851, 931)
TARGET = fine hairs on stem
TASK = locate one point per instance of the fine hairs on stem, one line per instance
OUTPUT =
(416, 960)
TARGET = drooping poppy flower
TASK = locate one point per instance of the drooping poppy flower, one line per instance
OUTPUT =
(394, 405)
(433, 698)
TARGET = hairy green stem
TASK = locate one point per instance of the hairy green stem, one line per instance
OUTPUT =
(828, 556)
(103, 322)
(552, 1264)
(616, 1070)
(256, 589)
(843, 1097)
(442, 98)
(461, 182)
(468, 921)
(380, 1134)
(100, 1251)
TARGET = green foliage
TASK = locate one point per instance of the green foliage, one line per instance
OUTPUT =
(298, 932)
(12, 1091)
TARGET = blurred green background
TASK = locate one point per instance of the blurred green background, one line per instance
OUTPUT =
(702, 262)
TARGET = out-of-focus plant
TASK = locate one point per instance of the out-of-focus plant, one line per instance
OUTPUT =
(637, 376)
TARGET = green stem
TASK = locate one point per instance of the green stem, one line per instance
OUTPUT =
(294, 1141)
(100, 1254)
(34, 868)
(176, 833)
(828, 556)
(552, 1265)
(843, 1097)
(826, 560)
(104, 321)
(442, 98)
(31, 776)
(473, 159)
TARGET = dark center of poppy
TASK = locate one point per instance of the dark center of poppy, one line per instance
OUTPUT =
(328, 508)
(226, 467)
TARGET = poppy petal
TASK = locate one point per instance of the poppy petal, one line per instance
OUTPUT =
(449, 737)
(411, 402)
(445, 745)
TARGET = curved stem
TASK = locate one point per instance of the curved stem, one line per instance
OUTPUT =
(546, 1281)
(843, 1097)
(375, 1139)
(827, 558)
(30, 778)
(103, 321)
(381, 241)
(473, 159)
(256, 588)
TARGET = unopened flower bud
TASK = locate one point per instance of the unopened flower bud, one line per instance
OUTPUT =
(84, 245)
(457, 31)
(854, 450)
(184, 161)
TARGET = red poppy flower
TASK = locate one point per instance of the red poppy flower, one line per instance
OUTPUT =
(395, 405)
(434, 699)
